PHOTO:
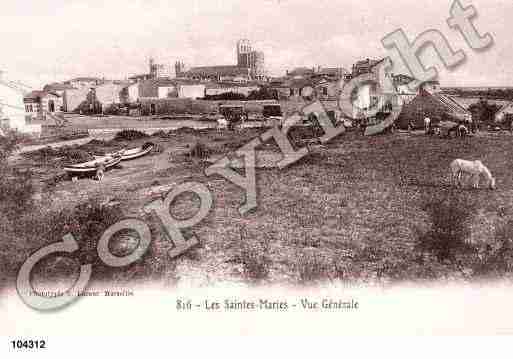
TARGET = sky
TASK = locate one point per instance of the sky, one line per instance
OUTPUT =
(53, 40)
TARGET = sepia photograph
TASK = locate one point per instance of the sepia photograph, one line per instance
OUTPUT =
(238, 167)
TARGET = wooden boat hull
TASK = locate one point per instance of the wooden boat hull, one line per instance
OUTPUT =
(136, 153)
(92, 166)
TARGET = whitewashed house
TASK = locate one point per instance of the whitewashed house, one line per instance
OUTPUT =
(12, 108)
(191, 91)
(166, 91)
(133, 92)
(41, 107)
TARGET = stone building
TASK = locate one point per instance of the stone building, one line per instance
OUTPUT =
(160, 70)
(84, 82)
(250, 66)
(230, 73)
(42, 105)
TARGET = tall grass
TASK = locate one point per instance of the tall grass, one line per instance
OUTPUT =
(254, 256)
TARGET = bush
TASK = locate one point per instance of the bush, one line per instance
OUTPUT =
(496, 260)
(16, 190)
(112, 109)
(160, 133)
(484, 112)
(68, 155)
(129, 135)
(450, 216)
(8, 144)
(199, 150)
(74, 156)
(86, 221)
(41, 226)
(16, 187)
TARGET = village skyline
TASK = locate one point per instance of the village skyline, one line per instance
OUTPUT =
(81, 38)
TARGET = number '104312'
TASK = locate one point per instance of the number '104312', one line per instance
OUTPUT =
(28, 344)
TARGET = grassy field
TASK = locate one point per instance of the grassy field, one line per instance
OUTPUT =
(362, 210)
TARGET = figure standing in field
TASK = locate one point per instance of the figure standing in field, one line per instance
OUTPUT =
(100, 172)
(462, 130)
(427, 125)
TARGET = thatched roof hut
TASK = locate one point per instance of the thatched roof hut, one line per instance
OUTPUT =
(437, 107)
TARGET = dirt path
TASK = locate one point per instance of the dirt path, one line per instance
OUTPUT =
(31, 148)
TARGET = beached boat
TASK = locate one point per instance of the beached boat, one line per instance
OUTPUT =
(137, 152)
(92, 166)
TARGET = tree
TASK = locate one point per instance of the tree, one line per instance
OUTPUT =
(483, 111)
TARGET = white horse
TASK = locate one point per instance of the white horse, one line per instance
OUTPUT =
(475, 169)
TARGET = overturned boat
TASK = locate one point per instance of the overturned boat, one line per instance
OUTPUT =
(131, 154)
(90, 167)
(136, 152)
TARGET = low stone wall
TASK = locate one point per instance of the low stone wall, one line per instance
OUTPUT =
(179, 106)
(197, 107)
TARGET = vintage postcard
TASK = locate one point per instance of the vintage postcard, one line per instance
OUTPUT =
(240, 168)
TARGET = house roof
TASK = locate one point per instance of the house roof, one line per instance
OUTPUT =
(170, 82)
(331, 71)
(324, 82)
(164, 82)
(229, 70)
(431, 82)
(401, 79)
(57, 86)
(230, 84)
(86, 79)
(298, 83)
(451, 104)
(140, 76)
(38, 94)
(365, 66)
(121, 82)
(301, 71)
(370, 63)
(277, 81)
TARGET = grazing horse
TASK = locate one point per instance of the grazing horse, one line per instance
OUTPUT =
(475, 169)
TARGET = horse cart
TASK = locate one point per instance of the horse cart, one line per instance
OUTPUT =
(233, 114)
